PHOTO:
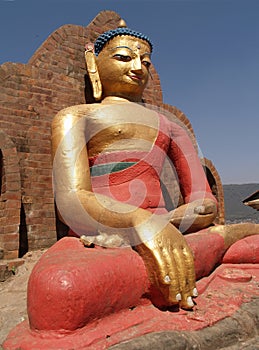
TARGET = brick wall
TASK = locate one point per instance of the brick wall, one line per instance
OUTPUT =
(31, 94)
(10, 197)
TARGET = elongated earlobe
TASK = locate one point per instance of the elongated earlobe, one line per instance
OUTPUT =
(92, 71)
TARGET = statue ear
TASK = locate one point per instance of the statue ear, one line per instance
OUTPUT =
(92, 71)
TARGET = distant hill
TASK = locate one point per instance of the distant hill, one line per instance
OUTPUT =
(235, 210)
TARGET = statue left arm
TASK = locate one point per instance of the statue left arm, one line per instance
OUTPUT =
(200, 208)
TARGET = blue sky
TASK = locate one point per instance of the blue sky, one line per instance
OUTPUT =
(205, 51)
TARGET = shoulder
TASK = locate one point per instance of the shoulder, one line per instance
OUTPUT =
(174, 125)
(74, 113)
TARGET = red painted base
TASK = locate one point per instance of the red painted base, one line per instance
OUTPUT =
(221, 295)
(93, 298)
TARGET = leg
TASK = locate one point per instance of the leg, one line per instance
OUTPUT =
(72, 285)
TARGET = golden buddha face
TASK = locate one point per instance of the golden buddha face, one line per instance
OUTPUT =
(123, 66)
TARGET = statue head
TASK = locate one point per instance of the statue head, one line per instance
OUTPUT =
(118, 64)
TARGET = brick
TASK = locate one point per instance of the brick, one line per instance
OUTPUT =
(13, 204)
(10, 237)
(8, 255)
(11, 212)
(11, 246)
(14, 186)
(15, 196)
(10, 227)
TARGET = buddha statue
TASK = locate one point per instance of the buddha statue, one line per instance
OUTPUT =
(107, 161)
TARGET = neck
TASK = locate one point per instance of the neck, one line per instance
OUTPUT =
(122, 98)
(114, 99)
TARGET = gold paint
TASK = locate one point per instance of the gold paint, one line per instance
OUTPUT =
(235, 232)
(122, 24)
(167, 254)
(195, 215)
(123, 67)
(93, 72)
(122, 138)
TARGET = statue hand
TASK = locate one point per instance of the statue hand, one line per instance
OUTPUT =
(170, 265)
(194, 216)
(205, 207)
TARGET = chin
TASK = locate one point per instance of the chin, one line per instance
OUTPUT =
(130, 93)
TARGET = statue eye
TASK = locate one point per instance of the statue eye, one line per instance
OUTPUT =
(146, 64)
(123, 58)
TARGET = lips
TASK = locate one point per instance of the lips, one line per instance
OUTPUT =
(136, 77)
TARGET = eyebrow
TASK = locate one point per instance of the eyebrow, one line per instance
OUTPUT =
(127, 47)
(121, 47)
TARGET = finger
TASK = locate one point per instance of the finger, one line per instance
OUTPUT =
(201, 209)
(172, 293)
(161, 268)
(166, 271)
(190, 290)
(186, 279)
(180, 269)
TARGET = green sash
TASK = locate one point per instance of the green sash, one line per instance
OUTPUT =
(102, 169)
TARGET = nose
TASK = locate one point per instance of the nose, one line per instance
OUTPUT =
(136, 65)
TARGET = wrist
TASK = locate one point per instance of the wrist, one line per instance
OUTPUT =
(150, 226)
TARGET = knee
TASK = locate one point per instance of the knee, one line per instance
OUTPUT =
(54, 298)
